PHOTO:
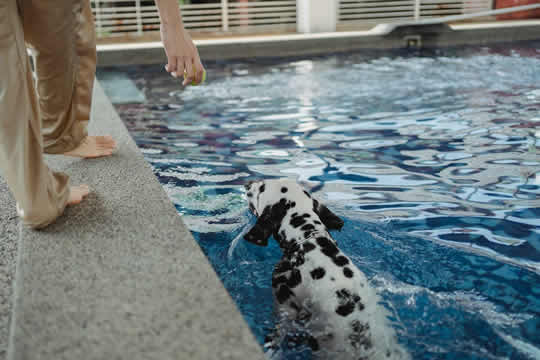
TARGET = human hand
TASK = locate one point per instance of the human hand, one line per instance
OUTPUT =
(182, 56)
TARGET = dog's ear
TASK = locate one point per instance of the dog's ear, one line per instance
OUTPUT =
(267, 224)
(329, 219)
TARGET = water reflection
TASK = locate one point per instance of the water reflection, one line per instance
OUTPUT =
(413, 140)
(414, 150)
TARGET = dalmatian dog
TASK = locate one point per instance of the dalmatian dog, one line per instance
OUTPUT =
(315, 283)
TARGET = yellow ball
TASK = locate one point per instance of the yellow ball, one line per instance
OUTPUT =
(193, 83)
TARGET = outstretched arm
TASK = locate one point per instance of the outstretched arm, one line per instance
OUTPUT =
(182, 55)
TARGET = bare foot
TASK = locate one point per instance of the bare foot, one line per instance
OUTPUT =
(93, 147)
(77, 194)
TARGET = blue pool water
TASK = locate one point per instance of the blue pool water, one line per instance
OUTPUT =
(432, 158)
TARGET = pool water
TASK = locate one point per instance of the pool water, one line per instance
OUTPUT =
(432, 159)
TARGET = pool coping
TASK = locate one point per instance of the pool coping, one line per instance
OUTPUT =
(9, 235)
(384, 36)
(120, 276)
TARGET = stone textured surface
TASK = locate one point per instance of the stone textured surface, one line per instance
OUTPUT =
(120, 277)
(9, 231)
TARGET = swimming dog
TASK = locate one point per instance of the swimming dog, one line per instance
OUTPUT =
(315, 283)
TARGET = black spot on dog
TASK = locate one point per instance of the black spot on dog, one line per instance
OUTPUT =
(341, 261)
(307, 247)
(323, 242)
(358, 331)
(318, 273)
(360, 306)
(360, 336)
(293, 204)
(298, 260)
(317, 222)
(345, 309)
(307, 227)
(278, 280)
(262, 188)
(283, 294)
(284, 190)
(356, 326)
(295, 278)
(251, 207)
(348, 272)
(249, 194)
(347, 302)
(306, 215)
(307, 194)
(283, 266)
(297, 221)
(343, 294)
(330, 251)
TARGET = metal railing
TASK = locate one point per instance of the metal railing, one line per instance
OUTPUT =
(137, 17)
(386, 11)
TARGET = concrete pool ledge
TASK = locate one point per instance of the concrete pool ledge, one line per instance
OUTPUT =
(120, 276)
(384, 36)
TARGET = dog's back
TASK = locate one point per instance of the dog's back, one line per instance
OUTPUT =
(339, 308)
(346, 318)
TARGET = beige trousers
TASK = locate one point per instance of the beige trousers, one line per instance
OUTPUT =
(53, 119)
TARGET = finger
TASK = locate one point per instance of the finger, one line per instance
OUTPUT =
(171, 64)
(180, 67)
(199, 72)
(199, 68)
(190, 73)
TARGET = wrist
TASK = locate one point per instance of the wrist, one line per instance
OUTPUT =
(172, 23)
(169, 14)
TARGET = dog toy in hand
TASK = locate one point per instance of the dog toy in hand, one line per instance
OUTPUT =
(193, 83)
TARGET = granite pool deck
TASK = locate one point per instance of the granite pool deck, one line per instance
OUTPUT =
(117, 277)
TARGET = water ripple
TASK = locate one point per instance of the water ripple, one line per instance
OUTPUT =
(441, 147)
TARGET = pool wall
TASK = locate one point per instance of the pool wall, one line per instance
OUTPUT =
(120, 276)
(326, 43)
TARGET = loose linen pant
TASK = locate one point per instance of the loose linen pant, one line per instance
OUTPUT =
(61, 33)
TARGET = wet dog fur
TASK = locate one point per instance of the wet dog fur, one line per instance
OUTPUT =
(315, 283)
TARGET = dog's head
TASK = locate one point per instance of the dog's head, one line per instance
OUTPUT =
(270, 200)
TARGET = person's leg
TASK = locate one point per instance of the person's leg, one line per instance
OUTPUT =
(41, 194)
(62, 35)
